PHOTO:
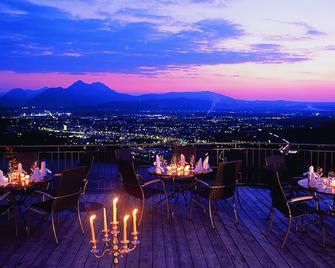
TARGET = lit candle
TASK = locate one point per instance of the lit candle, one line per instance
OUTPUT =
(105, 220)
(92, 218)
(134, 220)
(115, 200)
(332, 184)
(125, 219)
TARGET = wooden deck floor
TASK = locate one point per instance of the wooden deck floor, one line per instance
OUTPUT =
(178, 242)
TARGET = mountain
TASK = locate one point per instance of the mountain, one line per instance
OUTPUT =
(18, 97)
(81, 96)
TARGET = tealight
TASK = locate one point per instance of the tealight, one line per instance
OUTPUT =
(325, 181)
(332, 183)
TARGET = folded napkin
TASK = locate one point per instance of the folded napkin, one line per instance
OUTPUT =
(20, 168)
(199, 168)
(158, 164)
(205, 164)
(44, 170)
(2, 179)
(182, 160)
(36, 175)
(312, 177)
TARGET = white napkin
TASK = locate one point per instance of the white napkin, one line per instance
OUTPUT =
(312, 177)
(2, 179)
(44, 170)
(158, 164)
(20, 168)
(182, 160)
(205, 164)
(199, 168)
(36, 175)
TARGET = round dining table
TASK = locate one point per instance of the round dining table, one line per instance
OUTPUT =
(178, 182)
(19, 194)
(320, 187)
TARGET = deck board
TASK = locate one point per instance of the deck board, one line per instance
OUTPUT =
(178, 242)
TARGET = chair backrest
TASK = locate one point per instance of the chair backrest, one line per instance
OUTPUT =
(186, 150)
(226, 175)
(87, 161)
(275, 162)
(129, 178)
(124, 154)
(71, 183)
(27, 159)
(278, 196)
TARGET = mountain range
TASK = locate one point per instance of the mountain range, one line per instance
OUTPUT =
(99, 97)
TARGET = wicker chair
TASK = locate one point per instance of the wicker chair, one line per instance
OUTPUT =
(66, 197)
(223, 187)
(134, 185)
(291, 208)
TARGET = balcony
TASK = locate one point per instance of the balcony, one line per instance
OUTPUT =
(178, 242)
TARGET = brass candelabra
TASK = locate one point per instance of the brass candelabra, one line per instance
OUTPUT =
(111, 245)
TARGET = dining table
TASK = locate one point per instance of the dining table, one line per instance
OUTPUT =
(323, 186)
(19, 194)
(178, 182)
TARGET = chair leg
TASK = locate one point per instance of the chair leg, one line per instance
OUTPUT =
(215, 207)
(238, 197)
(210, 213)
(235, 211)
(142, 209)
(272, 215)
(167, 202)
(191, 206)
(323, 232)
(53, 227)
(287, 232)
(79, 219)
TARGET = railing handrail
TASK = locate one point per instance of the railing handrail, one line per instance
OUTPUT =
(162, 144)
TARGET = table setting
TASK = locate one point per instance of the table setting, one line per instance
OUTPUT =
(179, 175)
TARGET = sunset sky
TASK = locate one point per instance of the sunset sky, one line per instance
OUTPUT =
(257, 49)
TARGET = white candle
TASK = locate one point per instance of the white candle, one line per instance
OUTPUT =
(125, 219)
(92, 218)
(115, 200)
(105, 220)
(134, 220)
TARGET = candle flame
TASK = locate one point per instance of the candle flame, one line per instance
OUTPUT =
(115, 200)
(125, 218)
(135, 212)
(92, 218)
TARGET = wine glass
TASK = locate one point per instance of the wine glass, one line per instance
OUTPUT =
(192, 161)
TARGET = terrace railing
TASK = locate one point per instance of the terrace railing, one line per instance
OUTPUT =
(253, 155)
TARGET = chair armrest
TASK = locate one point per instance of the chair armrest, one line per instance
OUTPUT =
(44, 194)
(4, 196)
(57, 174)
(202, 182)
(301, 199)
(56, 197)
(151, 182)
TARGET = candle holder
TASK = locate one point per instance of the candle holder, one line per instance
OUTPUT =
(111, 245)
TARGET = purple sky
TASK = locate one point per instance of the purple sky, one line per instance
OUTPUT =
(244, 49)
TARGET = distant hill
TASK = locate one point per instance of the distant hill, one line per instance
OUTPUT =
(18, 97)
(99, 97)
